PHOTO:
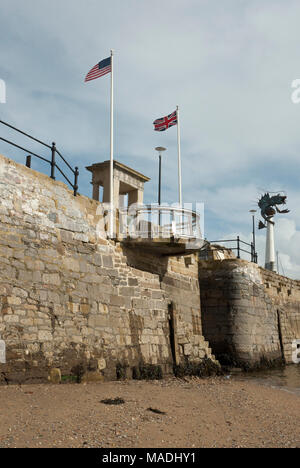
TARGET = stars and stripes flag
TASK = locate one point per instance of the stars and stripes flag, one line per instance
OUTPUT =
(102, 68)
(160, 125)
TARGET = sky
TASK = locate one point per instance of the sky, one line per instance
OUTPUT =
(228, 65)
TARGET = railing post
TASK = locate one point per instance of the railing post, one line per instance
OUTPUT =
(53, 151)
(238, 247)
(28, 161)
(173, 223)
(76, 181)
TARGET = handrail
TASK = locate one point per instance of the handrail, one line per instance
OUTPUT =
(182, 223)
(231, 240)
(238, 248)
(26, 134)
(160, 208)
(70, 167)
(52, 162)
(20, 147)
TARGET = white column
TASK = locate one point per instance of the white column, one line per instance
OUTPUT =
(179, 158)
(111, 228)
(270, 247)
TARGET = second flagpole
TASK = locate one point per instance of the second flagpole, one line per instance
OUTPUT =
(112, 146)
(179, 157)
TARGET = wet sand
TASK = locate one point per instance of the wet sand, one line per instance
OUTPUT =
(215, 412)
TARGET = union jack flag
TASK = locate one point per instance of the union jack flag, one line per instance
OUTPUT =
(160, 125)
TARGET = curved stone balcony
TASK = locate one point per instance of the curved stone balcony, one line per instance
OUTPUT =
(163, 229)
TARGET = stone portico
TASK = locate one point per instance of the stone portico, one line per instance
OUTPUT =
(126, 181)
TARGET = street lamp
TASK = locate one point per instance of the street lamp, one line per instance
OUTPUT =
(159, 149)
(254, 255)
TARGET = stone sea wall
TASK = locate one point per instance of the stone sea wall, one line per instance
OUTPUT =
(248, 313)
(71, 299)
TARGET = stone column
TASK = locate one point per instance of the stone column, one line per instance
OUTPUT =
(135, 196)
(95, 191)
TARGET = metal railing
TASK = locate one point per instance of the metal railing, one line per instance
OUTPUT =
(239, 247)
(52, 161)
(159, 222)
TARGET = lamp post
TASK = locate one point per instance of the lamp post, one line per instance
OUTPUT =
(254, 258)
(159, 149)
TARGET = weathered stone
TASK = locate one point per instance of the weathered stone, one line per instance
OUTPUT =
(92, 376)
(71, 264)
(53, 279)
(246, 317)
(107, 261)
(55, 376)
(69, 296)
(44, 335)
(101, 364)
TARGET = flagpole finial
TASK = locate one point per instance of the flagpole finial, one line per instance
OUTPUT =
(112, 51)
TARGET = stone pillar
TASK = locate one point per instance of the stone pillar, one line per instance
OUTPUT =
(106, 187)
(106, 190)
(135, 196)
(270, 247)
(122, 201)
(95, 192)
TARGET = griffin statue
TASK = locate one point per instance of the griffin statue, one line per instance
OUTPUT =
(268, 207)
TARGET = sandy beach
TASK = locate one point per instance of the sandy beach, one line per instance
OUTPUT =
(215, 412)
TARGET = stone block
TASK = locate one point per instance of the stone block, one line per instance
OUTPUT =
(92, 376)
(14, 300)
(55, 376)
(187, 349)
(71, 264)
(107, 261)
(11, 319)
(52, 279)
(44, 335)
(129, 291)
(101, 364)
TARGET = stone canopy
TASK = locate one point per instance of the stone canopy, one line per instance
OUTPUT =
(126, 181)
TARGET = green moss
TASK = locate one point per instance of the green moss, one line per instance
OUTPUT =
(228, 361)
(265, 363)
(205, 368)
(68, 378)
(121, 370)
(147, 372)
(78, 371)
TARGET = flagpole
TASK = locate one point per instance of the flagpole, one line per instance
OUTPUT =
(112, 146)
(179, 157)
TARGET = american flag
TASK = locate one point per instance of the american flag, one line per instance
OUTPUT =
(160, 125)
(102, 68)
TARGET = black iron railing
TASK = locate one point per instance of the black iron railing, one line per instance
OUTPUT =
(239, 247)
(52, 161)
